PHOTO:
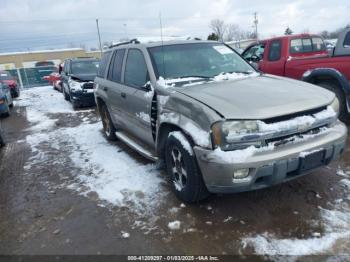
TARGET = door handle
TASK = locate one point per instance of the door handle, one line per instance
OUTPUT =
(105, 88)
(123, 95)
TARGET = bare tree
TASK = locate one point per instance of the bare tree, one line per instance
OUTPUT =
(233, 32)
(218, 27)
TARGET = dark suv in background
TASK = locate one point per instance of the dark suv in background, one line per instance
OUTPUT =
(77, 80)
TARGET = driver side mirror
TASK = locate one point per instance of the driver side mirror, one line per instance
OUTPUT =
(147, 87)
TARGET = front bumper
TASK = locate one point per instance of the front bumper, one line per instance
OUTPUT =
(267, 168)
(81, 99)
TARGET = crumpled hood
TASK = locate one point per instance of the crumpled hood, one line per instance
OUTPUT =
(261, 97)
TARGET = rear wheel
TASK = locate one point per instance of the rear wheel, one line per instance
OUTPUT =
(182, 168)
(108, 127)
(2, 142)
(66, 96)
(343, 112)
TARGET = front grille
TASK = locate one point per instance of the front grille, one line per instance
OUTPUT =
(88, 85)
(294, 115)
(278, 141)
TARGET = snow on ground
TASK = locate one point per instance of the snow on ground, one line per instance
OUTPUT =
(41, 101)
(336, 235)
(102, 167)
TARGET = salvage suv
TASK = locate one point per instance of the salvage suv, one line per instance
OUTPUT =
(219, 125)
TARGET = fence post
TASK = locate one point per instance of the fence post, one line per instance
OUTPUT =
(20, 78)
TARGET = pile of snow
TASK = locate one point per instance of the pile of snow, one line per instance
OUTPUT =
(144, 116)
(234, 76)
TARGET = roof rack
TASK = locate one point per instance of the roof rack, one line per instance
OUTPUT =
(132, 41)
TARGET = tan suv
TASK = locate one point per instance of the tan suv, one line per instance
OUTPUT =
(220, 125)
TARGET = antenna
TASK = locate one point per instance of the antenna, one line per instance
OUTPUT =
(161, 38)
(256, 21)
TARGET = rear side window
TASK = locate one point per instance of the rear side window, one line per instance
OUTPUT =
(318, 44)
(136, 73)
(305, 45)
(346, 42)
(115, 68)
(103, 64)
(66, 66)
(275, 51)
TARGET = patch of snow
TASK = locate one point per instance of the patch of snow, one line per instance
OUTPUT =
(182, 205)
(144, 116)
(125, 234)
(306, 153)
(183, 140)
(345, 182)
(175, 225)
(209, 223)
(229, 218)
(238, 156)
(342, 173)
(300, 121)
(233, 76)
(200, 137)
(163, 100)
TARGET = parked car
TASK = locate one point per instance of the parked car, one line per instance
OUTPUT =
(77, 80)
(8, 79)
(5, 100)
(55, 80)
(305, 57)
(219, 125)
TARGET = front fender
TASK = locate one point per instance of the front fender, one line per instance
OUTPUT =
(310, 75)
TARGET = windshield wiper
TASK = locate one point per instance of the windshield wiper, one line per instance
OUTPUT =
(240, 72)
(196, 76)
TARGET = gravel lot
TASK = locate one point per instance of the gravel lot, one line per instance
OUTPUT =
(65, 190)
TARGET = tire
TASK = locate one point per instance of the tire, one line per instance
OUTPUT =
(66, 96)
(183, 171)
(2, 142)
(343, 113)
(108, 126)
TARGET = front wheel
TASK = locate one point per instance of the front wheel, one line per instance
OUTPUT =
(343, 112)
(66, 96)
(108, 127)
(182, 168)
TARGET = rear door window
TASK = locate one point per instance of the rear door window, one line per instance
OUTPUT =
(103, 64)
(115, 68)
(275, 50)
(136, 73)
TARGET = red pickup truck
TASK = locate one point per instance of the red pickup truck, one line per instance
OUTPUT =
(305, 57)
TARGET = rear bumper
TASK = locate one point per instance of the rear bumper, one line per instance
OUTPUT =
(83, 99)
(267, 168)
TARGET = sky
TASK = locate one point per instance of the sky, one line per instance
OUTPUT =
(43, 24)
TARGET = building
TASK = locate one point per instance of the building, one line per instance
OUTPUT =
(15, 60)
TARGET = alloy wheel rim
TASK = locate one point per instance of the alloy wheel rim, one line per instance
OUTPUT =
(178, 169)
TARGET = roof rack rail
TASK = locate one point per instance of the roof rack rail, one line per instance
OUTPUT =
(132, 41)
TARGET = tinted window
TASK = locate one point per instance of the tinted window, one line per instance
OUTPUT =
(136, 73)
(275, 51)
(347, 40)
(115, 68)
(66, 67)
(103, 64)
(318, 44)
(85, 67)
(307, 45)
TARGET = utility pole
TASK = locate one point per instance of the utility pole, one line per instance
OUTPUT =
(99, 36)
(256, 24)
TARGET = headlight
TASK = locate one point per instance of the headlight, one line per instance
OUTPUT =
(224, 133)
(335, 105)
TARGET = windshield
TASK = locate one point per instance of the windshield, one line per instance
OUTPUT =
(85, 67)
(196, 60)
(5, 76)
